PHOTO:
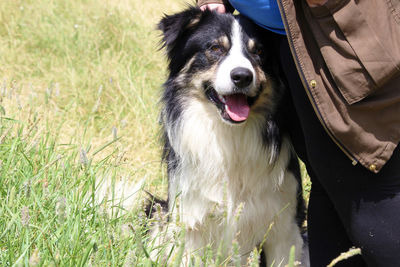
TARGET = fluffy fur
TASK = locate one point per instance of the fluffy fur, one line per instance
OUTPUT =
(232, 173)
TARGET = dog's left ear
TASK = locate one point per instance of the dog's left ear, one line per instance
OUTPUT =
(174, 26)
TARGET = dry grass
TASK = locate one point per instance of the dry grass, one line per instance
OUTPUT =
(88, 70)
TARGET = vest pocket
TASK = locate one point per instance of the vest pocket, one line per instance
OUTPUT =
(358, 60)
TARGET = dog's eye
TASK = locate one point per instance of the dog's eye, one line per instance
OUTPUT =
(217, 48)
(257, 51)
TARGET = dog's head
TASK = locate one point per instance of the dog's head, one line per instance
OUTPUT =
(221, 60)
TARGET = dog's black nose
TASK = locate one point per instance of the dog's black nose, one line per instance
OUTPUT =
(241, 77)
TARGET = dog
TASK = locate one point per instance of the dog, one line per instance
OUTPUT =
(232, 174)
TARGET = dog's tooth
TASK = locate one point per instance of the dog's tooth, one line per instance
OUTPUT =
(221, 98)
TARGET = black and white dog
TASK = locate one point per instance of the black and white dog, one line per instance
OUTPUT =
(233, 176)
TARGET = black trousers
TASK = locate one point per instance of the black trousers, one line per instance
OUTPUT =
(349, 205)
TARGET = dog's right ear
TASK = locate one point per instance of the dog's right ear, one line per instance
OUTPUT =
(174, 26)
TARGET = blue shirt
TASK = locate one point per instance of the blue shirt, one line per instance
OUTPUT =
(263, 12)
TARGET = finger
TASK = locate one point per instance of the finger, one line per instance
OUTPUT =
(220, 8)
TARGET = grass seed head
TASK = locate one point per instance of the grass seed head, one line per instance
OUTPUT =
(25, 218)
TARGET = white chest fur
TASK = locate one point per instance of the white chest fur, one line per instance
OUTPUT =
(228, 186)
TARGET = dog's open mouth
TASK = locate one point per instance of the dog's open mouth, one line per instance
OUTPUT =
(234, 108)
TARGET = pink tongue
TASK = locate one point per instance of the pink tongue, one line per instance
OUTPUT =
(237, 107)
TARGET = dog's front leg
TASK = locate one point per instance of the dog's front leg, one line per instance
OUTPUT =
(278, 244)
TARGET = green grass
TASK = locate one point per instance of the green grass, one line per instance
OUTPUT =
(79, 90)
(76, 76)
(48, 215)
(90, 68)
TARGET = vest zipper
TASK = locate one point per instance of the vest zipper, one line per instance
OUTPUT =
(307, 88)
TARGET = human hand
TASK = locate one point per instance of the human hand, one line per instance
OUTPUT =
(314, 3)
(220, 8)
